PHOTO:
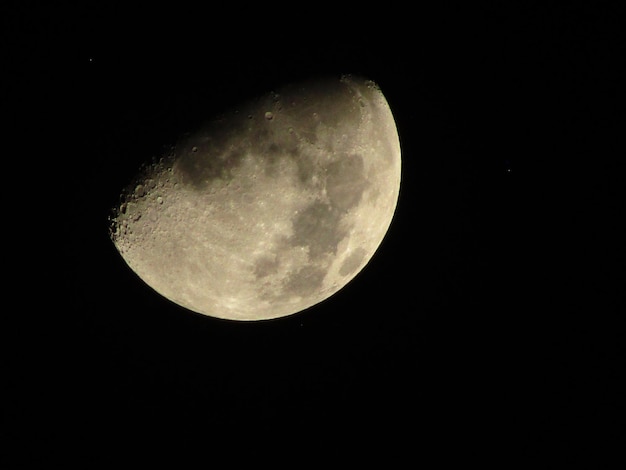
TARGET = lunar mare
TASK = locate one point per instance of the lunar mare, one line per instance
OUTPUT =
(270, 208)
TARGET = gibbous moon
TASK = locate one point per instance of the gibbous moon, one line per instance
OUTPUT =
(269, 208)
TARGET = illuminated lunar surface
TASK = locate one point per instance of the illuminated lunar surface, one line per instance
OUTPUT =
(270, 208)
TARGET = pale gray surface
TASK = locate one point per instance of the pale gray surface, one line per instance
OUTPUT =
(270, 209)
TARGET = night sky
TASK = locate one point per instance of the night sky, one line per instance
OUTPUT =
(485, 330)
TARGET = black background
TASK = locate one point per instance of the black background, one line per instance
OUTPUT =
(485, 330)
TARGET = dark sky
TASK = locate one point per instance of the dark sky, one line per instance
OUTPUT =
(485, 329)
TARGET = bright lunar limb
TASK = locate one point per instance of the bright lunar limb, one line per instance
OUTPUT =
(268, 209)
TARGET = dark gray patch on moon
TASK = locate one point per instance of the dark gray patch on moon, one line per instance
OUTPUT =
(208, 160)
(346, 181)
(317, 227)
(352, 262)
(304, 282)
(309, 137)
(219, 148)
(306, 167)
(266, 266)
(318, 102)
(271, 159)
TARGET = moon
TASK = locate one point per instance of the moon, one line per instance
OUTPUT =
(269, 208)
